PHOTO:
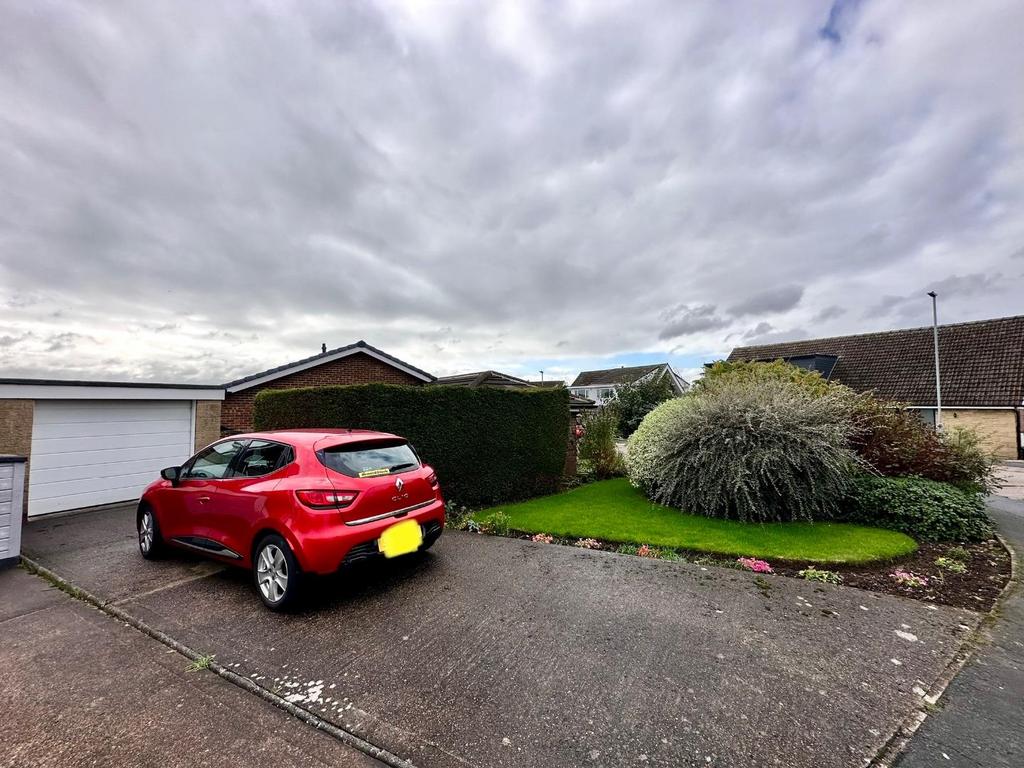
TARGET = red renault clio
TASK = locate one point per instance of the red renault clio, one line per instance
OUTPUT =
(295, 502)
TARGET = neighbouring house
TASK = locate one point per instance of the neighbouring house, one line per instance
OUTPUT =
(981, 368)
(90, 443)
(500, 380)
(484, 379)
(357, 363)
(600, 386)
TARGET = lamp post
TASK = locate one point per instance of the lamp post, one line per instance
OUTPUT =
(935, 341)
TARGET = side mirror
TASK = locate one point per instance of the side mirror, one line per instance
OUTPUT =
(171, 473)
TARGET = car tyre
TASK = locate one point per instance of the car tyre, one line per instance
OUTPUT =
(151, 541)
(276, 573)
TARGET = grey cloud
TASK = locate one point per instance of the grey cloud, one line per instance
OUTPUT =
(344, 170)
(829, 313)
(759, 330)
(684, 320)
(8, 340)
(778, 299)
(955, 288)
(773, 337)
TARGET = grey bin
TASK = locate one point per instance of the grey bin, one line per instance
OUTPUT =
(12, 501)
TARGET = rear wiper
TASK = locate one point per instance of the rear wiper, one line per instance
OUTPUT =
(406, 465)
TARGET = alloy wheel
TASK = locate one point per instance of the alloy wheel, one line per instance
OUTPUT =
(146, 531)
(272, 573)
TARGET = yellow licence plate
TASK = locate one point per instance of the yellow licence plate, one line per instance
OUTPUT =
(401, 539)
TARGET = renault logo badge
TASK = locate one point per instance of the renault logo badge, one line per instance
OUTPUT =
(399, 484)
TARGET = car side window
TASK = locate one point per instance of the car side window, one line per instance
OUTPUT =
(213, 463)
(261, 457)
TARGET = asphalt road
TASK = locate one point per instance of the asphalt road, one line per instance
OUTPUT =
(497, 652)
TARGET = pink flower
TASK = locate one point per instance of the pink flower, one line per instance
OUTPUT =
(752, 564)
(588, 543)
(909, 579)
(542, 538)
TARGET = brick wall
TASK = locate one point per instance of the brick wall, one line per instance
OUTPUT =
(359, 368)
(207, 422)
(997, 429)
(16, 432)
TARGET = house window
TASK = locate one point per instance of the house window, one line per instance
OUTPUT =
(927, 415)
(606, 393)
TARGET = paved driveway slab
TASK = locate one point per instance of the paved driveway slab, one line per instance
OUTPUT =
(80, 688)
(497, 652)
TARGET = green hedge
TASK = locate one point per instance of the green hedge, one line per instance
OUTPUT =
(925, 509)
(487, 445)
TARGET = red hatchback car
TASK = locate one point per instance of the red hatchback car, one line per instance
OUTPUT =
(290, 503)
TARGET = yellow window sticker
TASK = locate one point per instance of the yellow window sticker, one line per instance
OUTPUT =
(375, 472)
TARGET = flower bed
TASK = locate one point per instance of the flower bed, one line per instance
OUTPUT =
(986, 568)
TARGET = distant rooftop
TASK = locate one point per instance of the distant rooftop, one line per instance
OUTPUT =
(981, 362)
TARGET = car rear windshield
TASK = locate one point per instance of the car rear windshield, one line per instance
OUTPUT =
(370, 459)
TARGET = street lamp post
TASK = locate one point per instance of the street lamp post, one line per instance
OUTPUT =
(935, 341)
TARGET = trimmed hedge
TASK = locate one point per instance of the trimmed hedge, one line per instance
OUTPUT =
(486, 445)
(924, 509)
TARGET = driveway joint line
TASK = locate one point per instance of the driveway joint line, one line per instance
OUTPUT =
(347, 737)
(165, 587)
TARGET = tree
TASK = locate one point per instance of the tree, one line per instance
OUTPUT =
(634, 401)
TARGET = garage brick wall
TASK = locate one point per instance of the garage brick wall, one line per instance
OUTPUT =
(359, 368)
(16, 431)
(207, 422)
(996, 428)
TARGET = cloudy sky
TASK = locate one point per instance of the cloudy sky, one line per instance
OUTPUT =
(193, 191)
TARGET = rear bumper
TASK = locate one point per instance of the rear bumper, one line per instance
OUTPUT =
(327, 548)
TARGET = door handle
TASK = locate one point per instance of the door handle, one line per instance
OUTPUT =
(203, 499)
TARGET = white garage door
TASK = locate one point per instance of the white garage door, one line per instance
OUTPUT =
(89, 452)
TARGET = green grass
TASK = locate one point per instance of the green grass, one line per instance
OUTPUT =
(615, 511)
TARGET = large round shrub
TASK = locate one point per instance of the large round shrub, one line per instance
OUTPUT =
(648, 444)
(750, 448)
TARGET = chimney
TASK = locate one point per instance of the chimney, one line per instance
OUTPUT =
(323, 348)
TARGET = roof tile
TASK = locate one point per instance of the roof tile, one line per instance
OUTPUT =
(981, 363)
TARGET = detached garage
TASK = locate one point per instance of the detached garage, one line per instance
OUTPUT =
(90, 443)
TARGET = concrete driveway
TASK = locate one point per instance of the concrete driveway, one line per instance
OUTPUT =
(497, 652)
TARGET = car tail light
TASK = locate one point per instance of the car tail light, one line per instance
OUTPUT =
(432, 479)
(326, 499)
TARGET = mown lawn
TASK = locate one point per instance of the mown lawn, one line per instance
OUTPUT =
(615, 511)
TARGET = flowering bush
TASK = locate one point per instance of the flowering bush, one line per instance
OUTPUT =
(755, 451)
(588, 543)
(542, 538)
(645, 551)
(755, 565)
(909, 579)
(825, 577)
(649, 442)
